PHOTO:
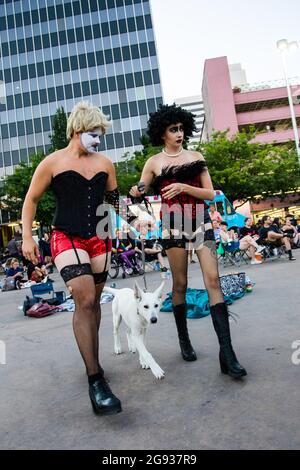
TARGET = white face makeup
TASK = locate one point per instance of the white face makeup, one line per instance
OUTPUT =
(90, 141)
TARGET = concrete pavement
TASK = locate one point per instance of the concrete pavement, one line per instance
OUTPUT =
(44, 401)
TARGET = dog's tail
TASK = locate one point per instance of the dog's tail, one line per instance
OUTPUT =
(110, 290)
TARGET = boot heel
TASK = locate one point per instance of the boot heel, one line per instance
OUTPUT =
(94, 407)
(224, 368)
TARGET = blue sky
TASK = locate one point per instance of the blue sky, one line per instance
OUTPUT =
(190, 31)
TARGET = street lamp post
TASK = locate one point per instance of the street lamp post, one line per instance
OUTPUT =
(283, 45)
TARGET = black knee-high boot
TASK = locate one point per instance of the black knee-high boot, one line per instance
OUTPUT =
(228, 361)
(187, 350)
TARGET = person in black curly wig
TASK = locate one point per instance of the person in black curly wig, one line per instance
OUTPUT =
(164, 117)
(182, 180)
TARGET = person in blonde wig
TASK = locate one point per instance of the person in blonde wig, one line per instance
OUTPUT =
(81, 179)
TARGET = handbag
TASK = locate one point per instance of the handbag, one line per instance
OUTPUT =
(41, 309)
(233, 284)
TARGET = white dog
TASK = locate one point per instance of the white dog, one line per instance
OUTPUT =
(138, 309)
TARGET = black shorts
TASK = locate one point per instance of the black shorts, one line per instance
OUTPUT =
(195, 238)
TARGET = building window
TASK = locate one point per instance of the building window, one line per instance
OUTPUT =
(40, 69)
(65, 64)
(112, 86)
(48, 67)
(46, 123)
(18, 101)
(82, 61)
(91, 59)
(96, 31)
(94, 87)
(45, 41)
(133, 108)
(60, 93)
(74, 62)
(76, 90)
(122, 26)
(21, 128)
(21, 46)
(128, 139)
(100, 57)
(29, 44)
(117, 55)
(37, 125)
(32, 71)
(135, 53)
(68, 92)
(62, 38)
(29, 126)
(43, 96)
(115, 111)
(88, 32)
(103, 85)
(12, 129)
(51, 94)
(54, 39)
(86, 88)
(71, 36)
(57, 66)
(34, 98)
(121, 82)
(79, 34)
(124, 110)
(26, 99)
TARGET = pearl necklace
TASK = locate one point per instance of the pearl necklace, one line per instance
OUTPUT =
(173, 155)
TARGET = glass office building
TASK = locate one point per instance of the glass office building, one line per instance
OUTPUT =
(55, 53)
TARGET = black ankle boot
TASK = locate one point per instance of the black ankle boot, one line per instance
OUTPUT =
(102, 399)
(228, 361)
(187, 350)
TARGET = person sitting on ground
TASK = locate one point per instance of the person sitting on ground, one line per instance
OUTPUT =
(291, 230)
(214, 214)
(267, 233)
(15, 272)
(244, 244)
(37, 272)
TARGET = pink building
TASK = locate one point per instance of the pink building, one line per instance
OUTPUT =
(265, 107)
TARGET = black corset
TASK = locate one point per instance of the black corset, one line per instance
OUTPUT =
(77, 200)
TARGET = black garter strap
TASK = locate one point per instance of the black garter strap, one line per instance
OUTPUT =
(99, 278)
(75, 270)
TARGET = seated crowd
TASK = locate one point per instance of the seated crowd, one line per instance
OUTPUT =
(253, 239)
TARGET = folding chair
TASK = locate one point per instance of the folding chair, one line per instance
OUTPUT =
(230, 255)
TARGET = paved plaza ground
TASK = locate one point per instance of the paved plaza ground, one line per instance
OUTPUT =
(44, 401)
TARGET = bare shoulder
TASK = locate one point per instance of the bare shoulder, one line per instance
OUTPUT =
(105, 161)
(153, 162)
(50, 161)
(196, 155)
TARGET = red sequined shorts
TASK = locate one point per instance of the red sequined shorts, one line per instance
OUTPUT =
(93, 246)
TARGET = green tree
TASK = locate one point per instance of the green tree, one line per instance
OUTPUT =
(58, 138)
(129, 170)
(250, 171)
(16, 187)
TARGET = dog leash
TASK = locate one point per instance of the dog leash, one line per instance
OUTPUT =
(149, 210)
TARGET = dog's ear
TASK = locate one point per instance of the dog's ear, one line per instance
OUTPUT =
(159, 290)
(137, 291)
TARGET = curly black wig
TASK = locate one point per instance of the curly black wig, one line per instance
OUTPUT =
(164, 117)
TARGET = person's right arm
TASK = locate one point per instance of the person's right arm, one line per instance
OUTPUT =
(146, 177)
(41, 180)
